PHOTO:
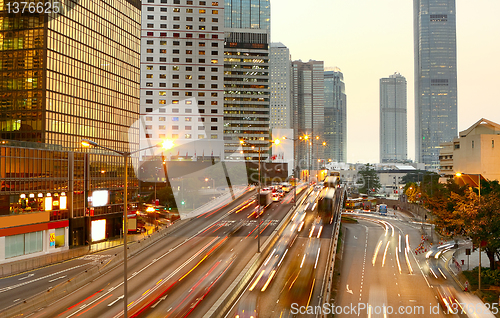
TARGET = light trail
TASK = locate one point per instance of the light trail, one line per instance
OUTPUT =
(376, 252)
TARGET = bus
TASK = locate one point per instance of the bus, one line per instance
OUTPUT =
(382, 209)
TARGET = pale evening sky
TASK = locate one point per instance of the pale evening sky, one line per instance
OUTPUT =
(370, 39)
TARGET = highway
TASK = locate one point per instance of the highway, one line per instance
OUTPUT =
(381, 275)
(185, 272)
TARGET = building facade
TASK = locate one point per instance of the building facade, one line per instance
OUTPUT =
(308, 112)
(435, 53)
(182, 81)
(335, 132)
(475, 151)
(246, 79)
(62, 80)
(393, 126)
(279, 86)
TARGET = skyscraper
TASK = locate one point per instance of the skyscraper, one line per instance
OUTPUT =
(308, 108)
(182, 94)
(435, 77)
(335, 132)
(393, 128)
(279, 86)
(65, 77)
(246, 78)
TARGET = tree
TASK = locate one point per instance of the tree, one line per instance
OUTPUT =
(370, 181)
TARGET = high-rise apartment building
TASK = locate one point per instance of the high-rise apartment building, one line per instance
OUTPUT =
(393, 127)
(246, 79)
(65, 77)
(308, 111)
(435, 77)
(335, 132)
(279, 86)
(182, 81)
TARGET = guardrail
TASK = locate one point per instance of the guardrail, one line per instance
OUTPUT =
(332, 253)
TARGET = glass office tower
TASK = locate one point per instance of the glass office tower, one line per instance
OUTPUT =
(64, 78)
(393, 128)
(335, 116)
(247, 14)
(435, 77)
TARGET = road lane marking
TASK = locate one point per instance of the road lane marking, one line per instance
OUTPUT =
(348, 290)
(53, 280)
(117, 300)
(159, 300)
(30, 275)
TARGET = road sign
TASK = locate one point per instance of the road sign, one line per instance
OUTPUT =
(467, 251)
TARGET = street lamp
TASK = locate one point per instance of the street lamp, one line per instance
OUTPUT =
(244, 142)
(166, 144)
(213, 184)
(458, 174)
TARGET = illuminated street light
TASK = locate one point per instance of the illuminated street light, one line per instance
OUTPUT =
(167, 144)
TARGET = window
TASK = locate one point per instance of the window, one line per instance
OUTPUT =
(163, 9)
(201, 127)
(214, 120)
(215, 36)
(213, 86)
(214, 69)
(149, 42)
(213, 136)
(163, 59)
(175, 93)
(189, 18)
(175, 127)
(161, 127)
(189, 51)
(201, 77)
(214, 103)
(215, 11)
(202, 36)
(189, 1)
(189, 27)
(215, 53)
(189, 10)
(175, 110)
(176, 35)
(201, 69)
(215, 19)
(201, 119)
(163, 84)
(201, 85)
(163, 33)
(149, 118)
(149, 59)
(176, 43)
(189, 68)
(188, 102)
(215, 3)
(189, 60)
(163, 51)
(188, 94)
(149, 110)
(473, 144)
(149, 67)
(201, 60)
(214, 61)
(177, 9)
(201, 136)
(187, 119)
(189, 43)
(149, 50)
(187, 136)
(188, 110)
(163, 26)
(201, 111)
(202, 11)
(214, 111)
(175, 76)
(175, 118)
(188, 85)
(149, 126)
(151, 17)
(215, 44)
(177, 1)
(177, 18)
(162, 119)
(151, 8)
(177, 26)
(175, 101)
(189, 35)
(201, 52)
(149, 75)
(175, 136)
(150, 25)
(214, 94)
(162, 136)
(187, 128)
(188, 77)
(201, 94)
(214, 78)
(163, 17)
(149, 135)
(201, 44)
(214, 128)
(149, 84)
(215, 28)
(175, 59)
(201, 27)
(175, 68)
(151, 1)
(149, 92)
(203, 3)
(149, 101)
(149, 34)
(162, 110)
(162, 101)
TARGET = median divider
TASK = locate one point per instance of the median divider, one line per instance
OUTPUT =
(232, 293)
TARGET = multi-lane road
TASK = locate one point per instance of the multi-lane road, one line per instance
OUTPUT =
(188, 271)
